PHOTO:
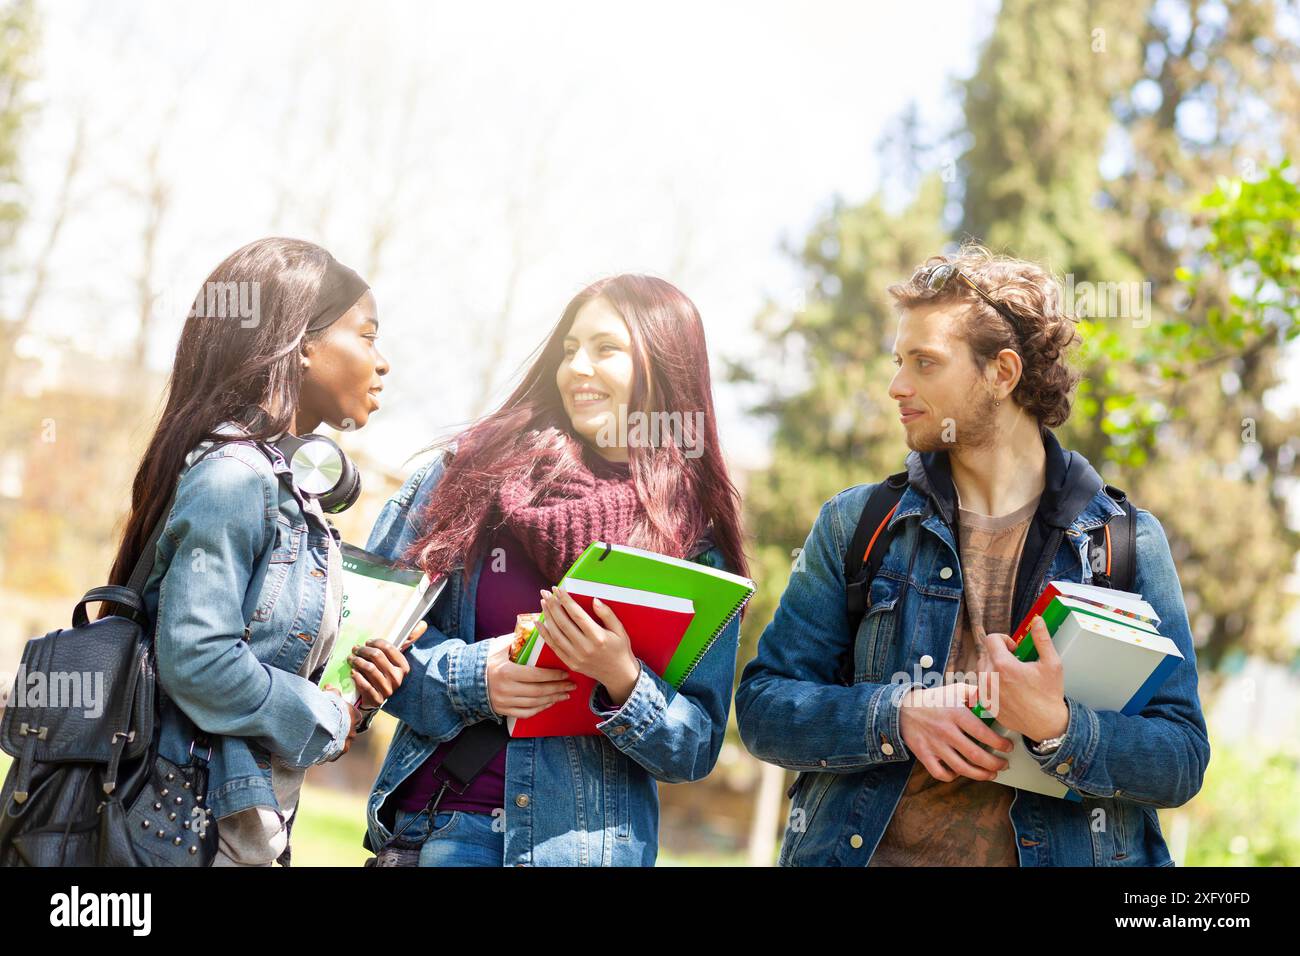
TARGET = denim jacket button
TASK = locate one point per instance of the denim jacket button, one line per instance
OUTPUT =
(855, 841)
(822, 762)
(1062, 768)
(521, 800)
(945, 573)
(619, 730)
(887, 749)
(926, 660)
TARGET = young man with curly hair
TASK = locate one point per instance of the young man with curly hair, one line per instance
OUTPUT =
(895, 769)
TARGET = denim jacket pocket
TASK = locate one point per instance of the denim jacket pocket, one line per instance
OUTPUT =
(1122, 826)
(284, 552)
(808, 791)
(874, 639)
(287, 540)
(1135, 833)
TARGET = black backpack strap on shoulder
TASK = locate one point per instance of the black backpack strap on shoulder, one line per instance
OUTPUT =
(1113, 548)
(864, 556)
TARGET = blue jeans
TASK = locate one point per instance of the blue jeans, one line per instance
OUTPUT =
(458, 838)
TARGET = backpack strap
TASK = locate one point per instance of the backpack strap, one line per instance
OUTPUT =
(867, 548)
(1113, 546)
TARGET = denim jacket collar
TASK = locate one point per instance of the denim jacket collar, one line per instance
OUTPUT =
(1074, 502)
(1073, 497)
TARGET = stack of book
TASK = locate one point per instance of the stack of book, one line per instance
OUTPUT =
(1113, 657)
(672, 611)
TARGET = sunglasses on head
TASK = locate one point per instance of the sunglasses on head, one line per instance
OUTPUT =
(936, 279)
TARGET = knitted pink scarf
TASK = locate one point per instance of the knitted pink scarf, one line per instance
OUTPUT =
(555, 524)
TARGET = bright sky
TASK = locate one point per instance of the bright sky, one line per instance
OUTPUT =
(549, 142)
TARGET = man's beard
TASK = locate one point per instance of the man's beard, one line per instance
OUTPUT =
(973, 428)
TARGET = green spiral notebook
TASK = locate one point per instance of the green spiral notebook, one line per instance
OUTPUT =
(717, 595)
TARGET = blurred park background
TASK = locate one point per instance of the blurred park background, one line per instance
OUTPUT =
(782, 163)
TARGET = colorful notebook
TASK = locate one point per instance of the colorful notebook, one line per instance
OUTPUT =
(380, 599)
(1061, 597)
(654, 623)
(715, 596)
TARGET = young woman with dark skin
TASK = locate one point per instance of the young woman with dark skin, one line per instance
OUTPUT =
(246, 587)
(341, 383)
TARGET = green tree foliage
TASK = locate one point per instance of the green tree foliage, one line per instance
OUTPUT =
(1038, 114)
(1254, 249)
(1245, 815)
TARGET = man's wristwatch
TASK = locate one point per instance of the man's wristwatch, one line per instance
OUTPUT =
(1045, 747)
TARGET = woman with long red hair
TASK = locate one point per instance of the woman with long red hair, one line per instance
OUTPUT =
(611, 437)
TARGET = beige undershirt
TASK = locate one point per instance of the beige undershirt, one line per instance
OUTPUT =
(965, 822)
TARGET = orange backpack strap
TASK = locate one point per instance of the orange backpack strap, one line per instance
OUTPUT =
(1113, 547)
(869, 545)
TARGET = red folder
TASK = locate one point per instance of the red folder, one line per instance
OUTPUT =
(654, 623)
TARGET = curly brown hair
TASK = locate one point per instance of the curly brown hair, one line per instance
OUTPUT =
(1032, 295)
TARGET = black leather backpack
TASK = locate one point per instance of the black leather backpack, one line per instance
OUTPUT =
(92, 789)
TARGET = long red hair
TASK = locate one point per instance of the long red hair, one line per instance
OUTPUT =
(681, 497)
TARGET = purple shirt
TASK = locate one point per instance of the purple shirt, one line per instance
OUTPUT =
(507, 586)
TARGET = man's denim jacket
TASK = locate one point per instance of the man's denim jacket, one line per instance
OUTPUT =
(238, 593)
(569, 801)
(796, 712)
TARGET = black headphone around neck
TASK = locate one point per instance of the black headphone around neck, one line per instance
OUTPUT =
(322, 471)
